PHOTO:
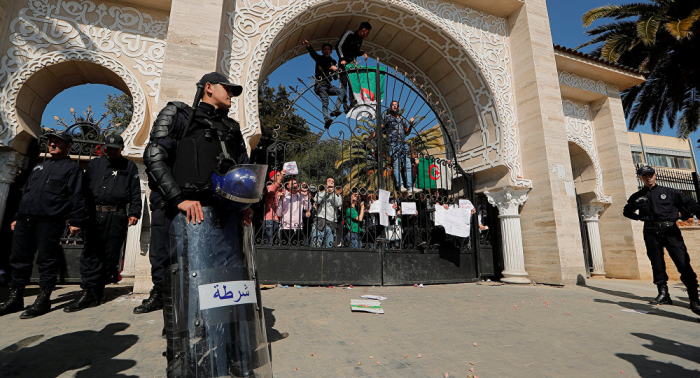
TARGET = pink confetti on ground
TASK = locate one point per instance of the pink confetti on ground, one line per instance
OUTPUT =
(446, 375)
(371, 357)
(471, 369)
(474, 344)
(515, 307)
(419, 356)
(568, 313)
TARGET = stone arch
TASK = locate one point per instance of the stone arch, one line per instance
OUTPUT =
(21, 103)
(580, 133)
(474, 45)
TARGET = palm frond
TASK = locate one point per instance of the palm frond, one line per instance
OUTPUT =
(680, 28)
(617, 12)
(648, 25)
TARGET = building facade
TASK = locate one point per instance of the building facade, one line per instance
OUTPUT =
(541, 126)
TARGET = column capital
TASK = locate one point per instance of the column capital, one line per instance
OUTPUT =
(10, 162)
(591, 211)
(508, 199)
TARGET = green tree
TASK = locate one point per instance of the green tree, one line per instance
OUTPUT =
(278, 119)
(120, 108)
(659, 37)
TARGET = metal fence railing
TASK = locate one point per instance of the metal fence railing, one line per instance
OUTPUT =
(687, 182)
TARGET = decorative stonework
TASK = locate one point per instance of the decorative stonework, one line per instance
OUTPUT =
(579, 130)
(508, 201)
(10, 162)
(479, 40)
(48, 32)
(580, 82)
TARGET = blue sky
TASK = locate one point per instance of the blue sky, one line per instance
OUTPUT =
(565, 21)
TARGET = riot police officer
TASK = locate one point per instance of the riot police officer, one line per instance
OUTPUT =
(660, 207)
(113, 192)
(187, 146)
(52, 196)
(158, 254)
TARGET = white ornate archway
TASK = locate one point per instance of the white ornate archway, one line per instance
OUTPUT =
(128, 42)
(579, 130)
(9, 94)
(473, 43)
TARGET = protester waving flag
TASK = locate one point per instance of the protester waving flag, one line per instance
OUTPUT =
(363, 84)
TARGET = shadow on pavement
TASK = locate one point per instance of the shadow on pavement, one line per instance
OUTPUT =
(653, 310)
(650, 368)
(272, 334)
(110, 294)
(618, 293)
(91, 352)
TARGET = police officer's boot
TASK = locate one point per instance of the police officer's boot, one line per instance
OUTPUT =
(14, 303)
(694, 300)
(88, 298)
(41, 305)
(152, 303)
(663, 297)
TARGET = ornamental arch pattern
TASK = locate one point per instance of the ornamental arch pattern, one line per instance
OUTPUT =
(480, 41)
(125, 40)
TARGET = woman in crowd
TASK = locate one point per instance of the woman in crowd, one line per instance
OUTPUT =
(353, 217)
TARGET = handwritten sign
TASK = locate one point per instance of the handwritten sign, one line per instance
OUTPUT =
(408, 208)
(384, 205)
(375, 207)
(456, 221)
(466, 204)
(222, 294)
(291, 168)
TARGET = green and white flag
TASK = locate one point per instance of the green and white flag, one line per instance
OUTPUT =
(363, 84)
(432, 175)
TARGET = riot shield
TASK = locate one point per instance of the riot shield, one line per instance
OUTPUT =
(218, 323)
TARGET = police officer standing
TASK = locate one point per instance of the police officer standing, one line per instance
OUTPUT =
(158, 254)
(659, 207)
(186, 146)
(113, 193)
(53, 195)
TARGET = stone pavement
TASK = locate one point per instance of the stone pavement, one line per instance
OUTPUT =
(496, 330)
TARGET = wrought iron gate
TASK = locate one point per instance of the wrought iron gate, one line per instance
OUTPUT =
(308, 233)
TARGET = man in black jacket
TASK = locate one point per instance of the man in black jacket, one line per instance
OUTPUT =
(349, 48)
(52, 196)
(186, 146)
(112, 183)
(323, 75)
(660, 207)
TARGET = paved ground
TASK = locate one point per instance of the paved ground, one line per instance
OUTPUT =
(498, 331)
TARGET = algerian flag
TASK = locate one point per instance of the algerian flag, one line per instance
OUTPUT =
(363, 84)
(432, 175)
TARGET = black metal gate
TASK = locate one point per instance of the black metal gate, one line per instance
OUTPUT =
(375, 222)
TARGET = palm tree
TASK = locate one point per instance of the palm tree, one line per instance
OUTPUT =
(659, 38)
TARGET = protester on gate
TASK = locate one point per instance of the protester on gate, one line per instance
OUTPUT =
(374, 229)
(325, 73)
(349, 49)
(289, 209)
(353, 219)
(111, 185)
(179, 133)
(328, 205)
(273, 192)
(659, 207)
(52, 196)
(395, 128)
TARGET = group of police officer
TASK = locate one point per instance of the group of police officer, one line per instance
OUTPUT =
(102, 202)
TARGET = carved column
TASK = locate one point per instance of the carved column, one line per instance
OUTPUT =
(508, 201)
(133, 237)
(10, 162)
(591, 216)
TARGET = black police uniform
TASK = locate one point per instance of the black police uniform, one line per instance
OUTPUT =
(53, 195)
(113, 195)
(659, 208)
